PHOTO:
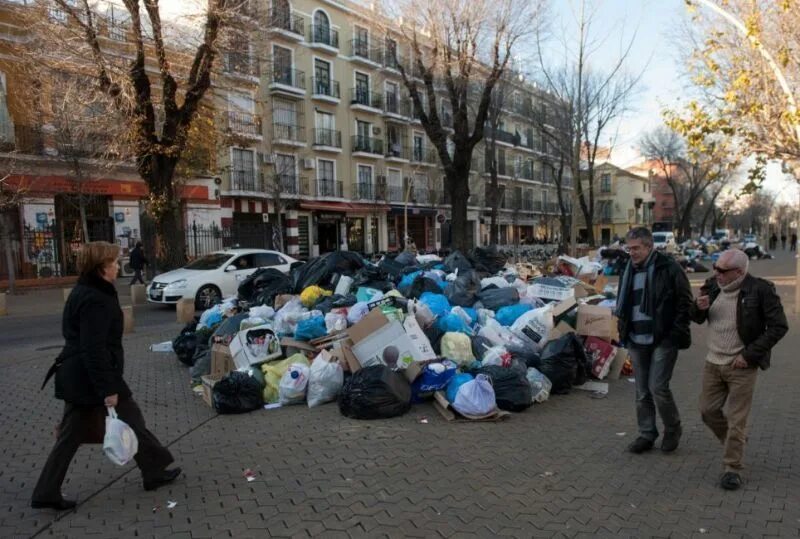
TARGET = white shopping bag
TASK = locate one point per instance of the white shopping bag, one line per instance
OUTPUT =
(120, 443)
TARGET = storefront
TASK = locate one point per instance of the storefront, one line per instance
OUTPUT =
(420, 226)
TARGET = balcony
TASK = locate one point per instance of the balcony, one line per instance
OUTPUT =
(324, 38)
(446, 117)
(327, 140)
(392, 59)
(369, 191)
(396, 107)
(503, 137)
(395, 193)
(526, 172)
(24, 139)
(361, 52)
(244, 124)
(527, 205)
(329, 188)
(245, 180)
(364, 100)
(397, 152)
(325, 90)
(288, 135)
(240, 64)
(424, 156)
(291, 184)
(364, 146)
(283, 22)
(288, 81)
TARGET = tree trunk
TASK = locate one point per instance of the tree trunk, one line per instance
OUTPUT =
(82, 211)
(458, 186)
(167, 212)
(5, 236)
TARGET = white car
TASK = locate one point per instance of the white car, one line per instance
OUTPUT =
(214, 276)
(664, 240)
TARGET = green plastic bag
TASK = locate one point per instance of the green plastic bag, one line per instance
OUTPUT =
(274, 371)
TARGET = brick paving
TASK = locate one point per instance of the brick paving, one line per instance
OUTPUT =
(557, 470)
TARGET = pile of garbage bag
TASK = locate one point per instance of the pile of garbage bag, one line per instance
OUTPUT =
(473, 334)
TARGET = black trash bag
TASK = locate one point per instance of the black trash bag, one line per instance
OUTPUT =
(230, 326)
(487, 259)
(479, 346)
(261, 287)
(375, 392)
(201, 366)
(406, 259)
(564, 362)
(391, 267)
(419, 286)
(434, 336)
(496, 298)
(185, 344)
(512, 391)
(372, 276)
(457, 261)
(525, 354)
(321, 270)
(464, 290)
(336, 301)
(237, 393)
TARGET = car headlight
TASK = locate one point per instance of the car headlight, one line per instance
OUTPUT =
(180, 283)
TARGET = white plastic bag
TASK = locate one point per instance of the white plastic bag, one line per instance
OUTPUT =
(120, 443)
(462, 314)
(499, 282)
(420, 311)
(325, 379)
(292, 389)
(540, 385)
(344, 285)
(476, 397)
(457, 347)
(357, 312)
(496, 355)
(335, 322)
(262, 311)
(535, 325)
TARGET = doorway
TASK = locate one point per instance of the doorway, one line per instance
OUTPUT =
(328, 236)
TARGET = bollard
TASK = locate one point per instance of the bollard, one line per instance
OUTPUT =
(66, 292)
(185, 310)
(127, 319)
(138, 294)
(3, 305)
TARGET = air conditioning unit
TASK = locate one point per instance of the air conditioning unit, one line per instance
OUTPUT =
(308, 164)
(376, 130)
(267, 158)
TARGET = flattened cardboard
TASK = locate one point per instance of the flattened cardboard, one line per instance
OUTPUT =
(616, 366)
(561, 329)
(563, 307)
(596, 321)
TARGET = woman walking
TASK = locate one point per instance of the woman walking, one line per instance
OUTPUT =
(89, 377)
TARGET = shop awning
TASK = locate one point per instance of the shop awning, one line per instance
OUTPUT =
(345, 207)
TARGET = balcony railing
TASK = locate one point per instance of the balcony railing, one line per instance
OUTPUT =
(289, 77)
(329, 188)
(327, 137)
(527, 204)
(244, 123)
(369, 191)
(397, 150)
(361, 49)
(24, 139)
(395, 193)
(394, 104)
(367, 145)
(295, 133)
(324, 35)
(283, 19)
(326, 87)
(240, 63)
(245, 180)
(526, 171)
(503, 136)
(361, 96)
(391, 58)
(424, 155)
(291, 184)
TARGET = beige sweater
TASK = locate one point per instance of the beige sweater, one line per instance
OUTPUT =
(724, 343)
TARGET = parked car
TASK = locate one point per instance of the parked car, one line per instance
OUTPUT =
(214, 276)
(664, 240)
(749, 238)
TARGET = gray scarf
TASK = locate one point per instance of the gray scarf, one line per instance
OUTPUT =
(625, 290)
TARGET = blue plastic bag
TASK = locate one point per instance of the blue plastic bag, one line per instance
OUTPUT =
(451, 322)
(408, 279)
(456, 382)
(473, 313)
(509, 314)
(432, 380)
(437, 303)
(310, 329)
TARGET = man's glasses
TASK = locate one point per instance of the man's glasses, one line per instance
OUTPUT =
(722, 270)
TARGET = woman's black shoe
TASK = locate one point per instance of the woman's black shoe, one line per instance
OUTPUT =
(731, 481)
(167, 476)
(60, 505)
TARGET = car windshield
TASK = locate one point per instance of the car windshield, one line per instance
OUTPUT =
(208, 262)
(660, 237)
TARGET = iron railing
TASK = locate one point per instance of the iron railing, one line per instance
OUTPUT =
(367, 144)
(244, 123)
(289, 77)
(324, 35)
(329, 188)
(362, 96)
(362, 49)
(328, 137)
(283, 19)
(295, 133)
(326, 87)
(397, 150)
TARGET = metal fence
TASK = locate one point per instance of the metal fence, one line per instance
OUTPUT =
(201, 239)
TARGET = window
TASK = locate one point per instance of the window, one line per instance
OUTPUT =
(419, 147)
(361, 42)
(243, 169)
(268, 259)
(325, 133)
(286, 170)
(391, 52)
(117, 23)
(363, 130)
(282, 65)
(322, 77)
(326, 169)
(362, 89)
(322, 27)
(246, 262)
(605, 183)
(326, 178)
(364, 187)
(394, 140)
(284, 112)
(544, 200)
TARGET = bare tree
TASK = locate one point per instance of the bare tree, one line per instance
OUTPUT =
(594, 100)
(690, 170)
(161, 110)
(10, 198)
(462, 48)
(493, 164)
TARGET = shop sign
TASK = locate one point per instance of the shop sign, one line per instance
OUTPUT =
(41, 218)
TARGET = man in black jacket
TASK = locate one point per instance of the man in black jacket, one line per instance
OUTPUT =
(138, 262)
(653, 309)
(746, 320)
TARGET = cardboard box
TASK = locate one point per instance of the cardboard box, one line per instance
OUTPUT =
(184, 310)
(342, 351)
(208, 382)
(221, 359)
(561, 308)
(596, 321)
(444, 408)
(243, 355)
(617, 364)
(561, 329)
(601, 354)
(555, 293)
(127, 319)
(379, 341)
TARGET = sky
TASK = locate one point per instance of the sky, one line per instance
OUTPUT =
(654, 25)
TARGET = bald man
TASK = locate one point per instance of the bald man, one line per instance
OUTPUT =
(745, 320)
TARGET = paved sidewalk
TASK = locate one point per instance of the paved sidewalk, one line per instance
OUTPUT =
(557, 470)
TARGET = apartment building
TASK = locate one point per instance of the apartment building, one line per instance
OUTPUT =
(623, 200)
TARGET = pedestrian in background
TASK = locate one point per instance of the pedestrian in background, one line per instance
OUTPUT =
(654, 300)
(138, 262)
(794, 242)
(773, 242)
(745, 320)
(783, 241)
(88, 374)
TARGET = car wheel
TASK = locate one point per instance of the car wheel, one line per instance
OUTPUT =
(208, 296)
